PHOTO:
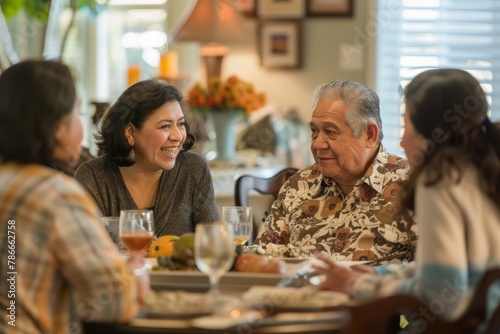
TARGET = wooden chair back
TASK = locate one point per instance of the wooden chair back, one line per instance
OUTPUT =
(382, 315)
(267, 186)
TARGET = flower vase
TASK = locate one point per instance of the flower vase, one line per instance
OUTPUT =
(224, 125)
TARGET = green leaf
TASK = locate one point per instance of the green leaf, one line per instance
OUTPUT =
(39, 9)
(94, 7)
(11, 7)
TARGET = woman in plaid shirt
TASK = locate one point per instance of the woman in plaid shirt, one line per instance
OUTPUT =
(52, 247)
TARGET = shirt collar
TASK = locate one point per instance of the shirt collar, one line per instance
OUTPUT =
(374, 175)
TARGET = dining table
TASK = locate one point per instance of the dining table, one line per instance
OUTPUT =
(331, 324)
(240, 286)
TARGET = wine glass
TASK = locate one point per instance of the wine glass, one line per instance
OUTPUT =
(136, 229)
(240, 217)
(112, 226)
(213, 251)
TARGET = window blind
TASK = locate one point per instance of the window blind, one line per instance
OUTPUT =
(417, 35)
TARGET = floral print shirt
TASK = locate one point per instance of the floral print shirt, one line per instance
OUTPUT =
(312, 213)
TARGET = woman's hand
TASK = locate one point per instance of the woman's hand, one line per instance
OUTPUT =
(136, 264)
(363, 268)
(338, 278)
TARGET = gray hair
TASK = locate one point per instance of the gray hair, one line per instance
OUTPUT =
(362, 104)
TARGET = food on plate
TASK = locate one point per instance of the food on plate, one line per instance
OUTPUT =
(176, 302)
(275, 250)
(163, 246)
(185, 305)
(307, 297)
(255, 263)
(181, 250)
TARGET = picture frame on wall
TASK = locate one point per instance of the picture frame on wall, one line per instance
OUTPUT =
(280, 44)
(281, 9)
(330, 8)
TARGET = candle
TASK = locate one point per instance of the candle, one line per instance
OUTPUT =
(169, 65)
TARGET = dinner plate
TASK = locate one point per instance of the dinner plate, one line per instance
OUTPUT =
(292, 260)
(249, 317)
(288, 299)
(185, 305)
(295, 260)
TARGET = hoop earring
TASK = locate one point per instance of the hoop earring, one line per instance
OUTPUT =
(131, 155)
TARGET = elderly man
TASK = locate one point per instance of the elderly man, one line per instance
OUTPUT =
(348, 203)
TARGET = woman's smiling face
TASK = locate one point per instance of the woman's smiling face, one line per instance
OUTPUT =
(159, 141)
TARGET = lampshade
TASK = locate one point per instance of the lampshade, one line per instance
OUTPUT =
(207, 21)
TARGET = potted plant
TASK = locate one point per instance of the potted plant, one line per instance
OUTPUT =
(45, 13)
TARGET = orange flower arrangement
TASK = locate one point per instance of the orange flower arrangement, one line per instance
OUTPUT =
(232, 95)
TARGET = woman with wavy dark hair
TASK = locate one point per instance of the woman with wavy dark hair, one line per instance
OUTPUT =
(53, 245)
(454, 191)
(144, 138)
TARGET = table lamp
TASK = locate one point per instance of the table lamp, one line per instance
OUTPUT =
(211, 22)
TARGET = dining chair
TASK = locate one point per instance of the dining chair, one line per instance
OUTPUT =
(382, 315)
(266, 186)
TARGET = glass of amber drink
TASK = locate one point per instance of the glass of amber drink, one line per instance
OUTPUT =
(136, 229)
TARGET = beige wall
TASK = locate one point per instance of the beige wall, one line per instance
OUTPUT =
(323, 43)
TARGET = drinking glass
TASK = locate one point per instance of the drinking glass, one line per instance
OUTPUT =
(136, 229)
(240, 217)
(112, 226)
(213, 251)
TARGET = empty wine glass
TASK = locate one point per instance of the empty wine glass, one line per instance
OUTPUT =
(136, 229)
(213, 251)
(112, 226)
(240, 217)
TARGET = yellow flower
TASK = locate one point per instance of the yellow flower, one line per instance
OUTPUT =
(233, 94)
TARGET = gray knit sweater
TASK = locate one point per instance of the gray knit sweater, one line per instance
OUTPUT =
(185, 195)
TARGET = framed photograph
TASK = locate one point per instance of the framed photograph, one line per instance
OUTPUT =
(280, 44)
(281, 9)
(330, 8)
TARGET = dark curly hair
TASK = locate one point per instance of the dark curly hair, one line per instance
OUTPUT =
(135, 105)
(35, 96)
(449, 108)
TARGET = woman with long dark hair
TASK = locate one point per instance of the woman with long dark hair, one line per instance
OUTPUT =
(145, 139)
(53, 247)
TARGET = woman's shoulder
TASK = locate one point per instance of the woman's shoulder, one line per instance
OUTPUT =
(461, 174)
(194, 157)
(36, 174)
(96, 166)
(44, 184)
(100, 162)
(193, 160)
